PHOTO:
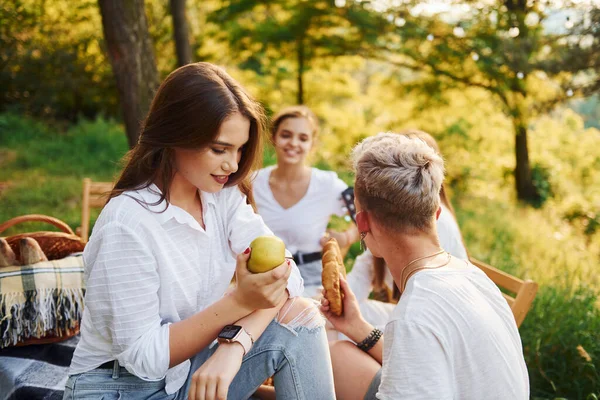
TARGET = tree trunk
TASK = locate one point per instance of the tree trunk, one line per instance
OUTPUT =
(180, 32)
(300, 51)
(132, 58)
(524, 184)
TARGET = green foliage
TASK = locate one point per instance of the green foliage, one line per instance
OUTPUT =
(52, 64)
(495, 46)
(286, 36)
(261, 29)
(53, 61)
(539, 245)
(541, 180)
(85, 149)
(41, 168)
(588, 221)
(561, 339)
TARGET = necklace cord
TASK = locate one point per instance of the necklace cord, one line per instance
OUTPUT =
(408, 272)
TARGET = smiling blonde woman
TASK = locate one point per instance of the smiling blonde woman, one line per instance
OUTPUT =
(297, 201)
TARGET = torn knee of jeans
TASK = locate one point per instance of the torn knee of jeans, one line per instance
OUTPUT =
(300, 312)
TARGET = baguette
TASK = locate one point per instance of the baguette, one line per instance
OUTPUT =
(333, 265)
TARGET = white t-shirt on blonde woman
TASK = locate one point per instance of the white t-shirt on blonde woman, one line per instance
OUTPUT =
(449, 234)
(148, 267)
(302, 225)
(452, 336)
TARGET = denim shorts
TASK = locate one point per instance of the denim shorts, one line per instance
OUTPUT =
(374, 387)
(311, 273)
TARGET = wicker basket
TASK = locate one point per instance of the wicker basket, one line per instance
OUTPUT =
(55, 245)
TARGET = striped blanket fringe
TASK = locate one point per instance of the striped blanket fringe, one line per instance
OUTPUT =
(39, 313)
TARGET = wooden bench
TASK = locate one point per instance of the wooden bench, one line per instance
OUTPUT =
(94, 195)
(524, 290)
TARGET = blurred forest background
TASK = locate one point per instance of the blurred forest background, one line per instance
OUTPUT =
(508, 88)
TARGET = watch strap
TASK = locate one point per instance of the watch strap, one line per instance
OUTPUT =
(245, 339)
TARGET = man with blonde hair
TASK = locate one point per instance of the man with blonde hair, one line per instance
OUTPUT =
(452, 334)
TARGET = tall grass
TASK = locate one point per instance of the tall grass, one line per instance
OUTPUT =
(41, 169)
(561, 334)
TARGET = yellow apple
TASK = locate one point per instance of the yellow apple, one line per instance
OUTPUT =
(267, 253)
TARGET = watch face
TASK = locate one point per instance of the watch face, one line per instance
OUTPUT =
(229, 331)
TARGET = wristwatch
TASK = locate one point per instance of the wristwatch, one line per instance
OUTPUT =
(236, 333)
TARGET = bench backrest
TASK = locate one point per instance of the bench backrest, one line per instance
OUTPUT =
(522, 292)
(94, 195)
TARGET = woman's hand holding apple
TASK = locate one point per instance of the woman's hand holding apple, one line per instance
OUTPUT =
(260, 290)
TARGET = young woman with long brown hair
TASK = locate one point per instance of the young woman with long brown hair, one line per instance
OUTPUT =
(159, 321)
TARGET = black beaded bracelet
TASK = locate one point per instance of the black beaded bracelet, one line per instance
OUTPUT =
(370, 340)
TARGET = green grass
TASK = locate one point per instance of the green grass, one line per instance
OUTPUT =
(41, 168)
(558, 323)
(534, 244)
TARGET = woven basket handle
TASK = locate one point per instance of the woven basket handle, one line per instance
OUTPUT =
(37, 218)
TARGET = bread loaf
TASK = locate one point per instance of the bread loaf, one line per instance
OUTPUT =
(7, 255)
(31, 251)
(333, 265)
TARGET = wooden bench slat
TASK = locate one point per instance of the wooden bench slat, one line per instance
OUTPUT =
(94, 195)
(524, 291)
(509, 299)
(98, 202)
(501, 278)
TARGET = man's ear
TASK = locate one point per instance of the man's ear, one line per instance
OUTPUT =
(438, 212)
(362, 222)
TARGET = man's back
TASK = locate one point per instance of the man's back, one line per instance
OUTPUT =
(453, 336)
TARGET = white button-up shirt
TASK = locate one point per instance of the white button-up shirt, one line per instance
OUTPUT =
(149, 266)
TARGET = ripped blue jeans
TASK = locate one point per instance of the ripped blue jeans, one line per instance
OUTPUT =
(296, 354)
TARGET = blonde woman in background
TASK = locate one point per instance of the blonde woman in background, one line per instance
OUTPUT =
(297, 201)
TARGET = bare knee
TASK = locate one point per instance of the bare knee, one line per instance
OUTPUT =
(340, 348)
(293, 307)
(345, 354)
(353, 369)
(300, 311)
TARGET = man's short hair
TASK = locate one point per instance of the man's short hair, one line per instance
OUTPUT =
(398, 180)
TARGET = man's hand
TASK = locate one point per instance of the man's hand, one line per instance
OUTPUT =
(350, 323)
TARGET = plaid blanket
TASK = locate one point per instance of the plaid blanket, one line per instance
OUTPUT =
(41, 299)
(37, 372)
